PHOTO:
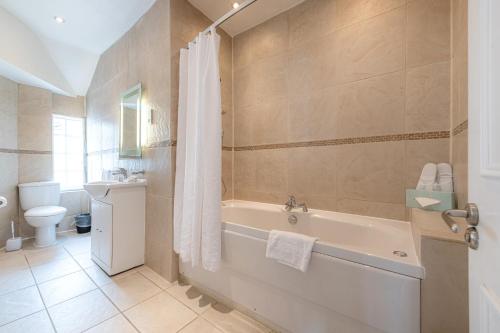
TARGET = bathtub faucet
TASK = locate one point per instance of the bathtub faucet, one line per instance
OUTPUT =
(292, 203)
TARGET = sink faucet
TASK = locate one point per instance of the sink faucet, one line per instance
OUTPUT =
(120, 171)
(292, 203)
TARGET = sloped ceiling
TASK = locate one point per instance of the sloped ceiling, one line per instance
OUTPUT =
(258, 12)
(74, 47)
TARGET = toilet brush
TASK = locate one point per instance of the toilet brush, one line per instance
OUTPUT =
(14, 243)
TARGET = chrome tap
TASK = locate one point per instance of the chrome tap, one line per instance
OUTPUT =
(292, 203)
(120, 171)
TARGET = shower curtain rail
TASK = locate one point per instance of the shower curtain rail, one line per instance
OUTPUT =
(228, 15)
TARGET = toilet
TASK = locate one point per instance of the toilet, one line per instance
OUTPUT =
(40, 202)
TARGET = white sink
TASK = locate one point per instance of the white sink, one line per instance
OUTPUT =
(101, 189)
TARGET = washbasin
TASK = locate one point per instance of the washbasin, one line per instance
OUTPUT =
(100, 189)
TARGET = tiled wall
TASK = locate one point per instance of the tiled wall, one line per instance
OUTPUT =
(8, 159)
(459, 100)
(141, 55)
(26, 148)
(342, 69)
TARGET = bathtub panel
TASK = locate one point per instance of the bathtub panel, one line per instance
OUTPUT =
(334, 294)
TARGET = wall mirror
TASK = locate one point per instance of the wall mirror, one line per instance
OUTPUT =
(130, 123)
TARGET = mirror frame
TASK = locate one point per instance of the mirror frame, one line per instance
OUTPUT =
(135, 90)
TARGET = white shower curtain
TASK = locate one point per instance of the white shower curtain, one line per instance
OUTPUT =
(197, 199)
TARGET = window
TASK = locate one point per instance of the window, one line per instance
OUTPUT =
(68, 151)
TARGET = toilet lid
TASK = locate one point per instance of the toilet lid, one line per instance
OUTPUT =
(45, 211)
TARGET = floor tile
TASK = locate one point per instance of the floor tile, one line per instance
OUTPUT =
(117, 324)
(15, 279)
(162, 314)
(155, 277)
(78, 245)
(191, 297)
(84, 260)
(54, 269)
(98, 275)
(131, 290)
(13, 261)
(66, 287)
(19, 303)
(36, 323)
(200, 325)
(229, 320)
(43, 256)
(82, 312)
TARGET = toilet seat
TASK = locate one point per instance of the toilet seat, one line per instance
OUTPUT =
(45, 211)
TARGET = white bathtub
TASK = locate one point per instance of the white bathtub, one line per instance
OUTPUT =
(355, 283)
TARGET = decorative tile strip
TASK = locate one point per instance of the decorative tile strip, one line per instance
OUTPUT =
(25, 151)
(350, 141)
(227, 148)
(460, 128)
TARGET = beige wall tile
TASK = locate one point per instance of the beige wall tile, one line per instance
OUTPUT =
(313, 116)
(420, 152)
(35, 132)
(460, 167)
(245, 173)
(428, 32)
(68, 106)
(370, 107)
(444, 289)
(428, 98)
(311, 20)
(35, 168)
(159, 236)
(8, 189)
(371, 48)
(8, 113)
(271, 174)
(372, 208)
(34, 101)
(227, 175)
(312, 171)
(353, 11)
(158, 165)
(311, 66)
(371, 172)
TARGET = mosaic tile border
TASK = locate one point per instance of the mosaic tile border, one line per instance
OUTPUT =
(461, 128)
(25, 151)
(351, 141)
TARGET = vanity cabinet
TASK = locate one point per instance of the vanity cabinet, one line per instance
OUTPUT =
(118, 227)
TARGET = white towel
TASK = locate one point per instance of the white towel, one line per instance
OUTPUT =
(290, 248)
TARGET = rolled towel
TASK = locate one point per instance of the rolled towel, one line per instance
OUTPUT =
(445, 177)
(290, 248)
(428, 177)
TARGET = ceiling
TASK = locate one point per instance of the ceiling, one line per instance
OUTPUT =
(91, 27)
(258, 12)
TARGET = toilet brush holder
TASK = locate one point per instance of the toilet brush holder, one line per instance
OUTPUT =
(14, 243)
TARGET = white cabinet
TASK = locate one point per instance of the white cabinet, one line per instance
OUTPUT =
(118, 226)
(102, 239)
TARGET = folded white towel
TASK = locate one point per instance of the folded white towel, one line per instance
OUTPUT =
(290, 248)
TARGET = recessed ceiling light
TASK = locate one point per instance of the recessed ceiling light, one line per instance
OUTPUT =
(59, 19)
(236, 5)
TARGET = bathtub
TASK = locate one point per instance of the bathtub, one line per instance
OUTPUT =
(357, 281)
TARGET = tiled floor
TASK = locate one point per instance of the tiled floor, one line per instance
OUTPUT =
(60, 289)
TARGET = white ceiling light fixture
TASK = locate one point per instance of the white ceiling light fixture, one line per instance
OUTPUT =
(59, 19)
(236, 5)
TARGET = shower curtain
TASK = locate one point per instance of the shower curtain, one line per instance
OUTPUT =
(197, 198)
